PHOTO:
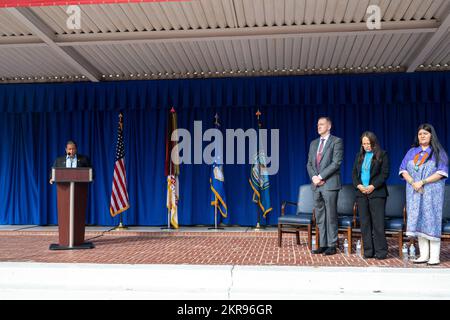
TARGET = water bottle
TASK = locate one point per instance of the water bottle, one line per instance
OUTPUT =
(412, 252)
(346, 247)
(313, 243)
(405, 252)
(358, 248)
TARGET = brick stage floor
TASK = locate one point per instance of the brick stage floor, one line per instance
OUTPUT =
(241, 246)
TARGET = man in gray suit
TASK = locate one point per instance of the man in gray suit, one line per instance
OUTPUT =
(324, 162)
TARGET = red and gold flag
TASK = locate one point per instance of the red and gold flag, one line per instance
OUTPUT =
(172, 168)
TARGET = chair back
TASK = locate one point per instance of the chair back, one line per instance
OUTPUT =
(305, 201)
(446, 210)
(346, 200)
(395, 201)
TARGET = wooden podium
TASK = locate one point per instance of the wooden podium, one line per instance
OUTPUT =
(72, 193)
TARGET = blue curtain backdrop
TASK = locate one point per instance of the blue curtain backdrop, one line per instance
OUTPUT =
(36, 120)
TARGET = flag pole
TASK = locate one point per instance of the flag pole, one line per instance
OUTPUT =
(215, 213)
(168, 219)
(120, 156)
(121, 226)
(168, 210)
(215, 216)
(258, 227)
(169, 227)
(258, 219)
(217, 124)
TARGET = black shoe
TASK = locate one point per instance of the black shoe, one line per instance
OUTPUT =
(368, 256)
(382, 257)
(320, 250)
(330, 251)
(419, 261)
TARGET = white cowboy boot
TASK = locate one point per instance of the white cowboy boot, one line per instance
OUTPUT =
(424, 248)
(435, 248)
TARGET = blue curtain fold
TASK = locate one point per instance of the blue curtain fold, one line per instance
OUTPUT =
(37, 119)
(230, 92)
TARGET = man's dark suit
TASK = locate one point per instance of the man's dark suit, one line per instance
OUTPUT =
(371, 207)
(82, 161)
(325, 196)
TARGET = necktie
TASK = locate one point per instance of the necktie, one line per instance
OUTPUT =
(319, 154)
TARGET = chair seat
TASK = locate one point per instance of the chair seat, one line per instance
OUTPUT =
(303, 219)
(345, 221)
(394, 224)
(446, 227)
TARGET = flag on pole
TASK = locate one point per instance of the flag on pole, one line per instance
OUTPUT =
(217, 180)
(172, 170)
(119, 194)
(259, 178)
(259, 181)
(172, 199)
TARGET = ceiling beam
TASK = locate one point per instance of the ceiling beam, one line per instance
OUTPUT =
(21, 41)
(428, 46)
(41, 30)
(246, 33)
(68, 40)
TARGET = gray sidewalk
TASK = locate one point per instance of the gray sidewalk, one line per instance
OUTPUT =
(162, 282)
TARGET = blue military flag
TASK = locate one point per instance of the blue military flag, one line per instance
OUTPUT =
(217, 180)
(259, 178)
(259, 181)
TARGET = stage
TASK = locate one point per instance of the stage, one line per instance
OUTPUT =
(197, 263)
(187, 245)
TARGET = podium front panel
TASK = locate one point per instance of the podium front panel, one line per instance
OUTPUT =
(72, 174)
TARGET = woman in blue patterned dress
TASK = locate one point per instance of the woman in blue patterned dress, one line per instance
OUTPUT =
(425, 168)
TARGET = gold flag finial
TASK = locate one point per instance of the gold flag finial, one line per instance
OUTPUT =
(258, 114)
(121, 120)
(216, 122)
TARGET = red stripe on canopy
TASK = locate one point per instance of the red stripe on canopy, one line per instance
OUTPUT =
(41, 3)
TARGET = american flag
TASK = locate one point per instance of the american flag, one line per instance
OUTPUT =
(119, 195)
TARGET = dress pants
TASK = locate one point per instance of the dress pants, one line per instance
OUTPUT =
(325, 203)
(371, 214)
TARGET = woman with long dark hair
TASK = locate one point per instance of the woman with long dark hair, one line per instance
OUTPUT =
(370, 172)
(425, 168)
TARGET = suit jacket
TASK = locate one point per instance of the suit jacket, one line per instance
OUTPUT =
(379, 172)
(82, 161)
(330, 163)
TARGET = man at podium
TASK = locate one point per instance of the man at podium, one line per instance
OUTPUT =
(72, 173)
(71, 159)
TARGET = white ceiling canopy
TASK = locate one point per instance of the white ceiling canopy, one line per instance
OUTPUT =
(222, 38)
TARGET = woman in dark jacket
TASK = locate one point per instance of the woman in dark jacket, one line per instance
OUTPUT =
(370, 172)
